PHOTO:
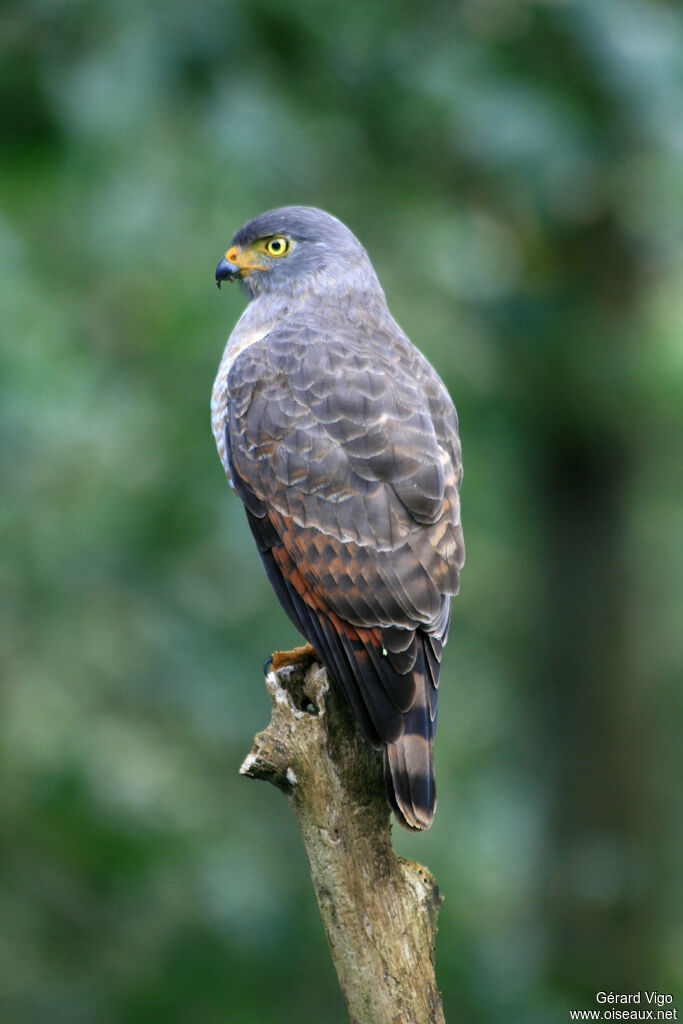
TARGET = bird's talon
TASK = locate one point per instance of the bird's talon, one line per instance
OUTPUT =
(297, 656)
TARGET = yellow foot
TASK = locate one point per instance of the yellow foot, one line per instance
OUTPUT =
(297, 656)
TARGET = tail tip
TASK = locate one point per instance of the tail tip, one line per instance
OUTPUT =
(411, 798)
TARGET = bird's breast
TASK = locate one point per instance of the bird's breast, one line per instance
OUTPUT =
(240, 339)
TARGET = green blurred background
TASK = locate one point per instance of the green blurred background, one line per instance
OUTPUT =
(515, 171)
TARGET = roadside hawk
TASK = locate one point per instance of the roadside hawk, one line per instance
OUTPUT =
(342, 443)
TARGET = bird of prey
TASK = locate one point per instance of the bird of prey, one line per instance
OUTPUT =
(342, 442)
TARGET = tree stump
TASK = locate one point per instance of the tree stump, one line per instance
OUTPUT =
(379, 910)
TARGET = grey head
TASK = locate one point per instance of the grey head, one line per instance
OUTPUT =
(296, 250)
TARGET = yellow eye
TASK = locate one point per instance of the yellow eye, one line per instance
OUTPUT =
(277, 246)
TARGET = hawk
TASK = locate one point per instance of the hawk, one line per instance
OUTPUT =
(342, 442)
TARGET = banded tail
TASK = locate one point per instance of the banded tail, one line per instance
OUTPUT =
(409, 761)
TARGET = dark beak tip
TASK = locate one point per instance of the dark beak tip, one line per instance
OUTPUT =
(226, 272)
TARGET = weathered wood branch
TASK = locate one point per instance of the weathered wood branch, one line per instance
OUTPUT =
(379, 910)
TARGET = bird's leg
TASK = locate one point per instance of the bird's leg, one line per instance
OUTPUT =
(297, 656)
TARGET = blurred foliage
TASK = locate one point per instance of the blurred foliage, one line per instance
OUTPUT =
(514, 169)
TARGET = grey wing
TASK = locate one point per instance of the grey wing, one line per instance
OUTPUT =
(346, 455)
(350, 450)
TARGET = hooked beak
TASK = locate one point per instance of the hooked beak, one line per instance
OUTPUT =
(237, 262)
(226, 271)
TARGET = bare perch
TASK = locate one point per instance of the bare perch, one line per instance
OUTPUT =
(379, 910)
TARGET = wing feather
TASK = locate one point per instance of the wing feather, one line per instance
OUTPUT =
(345, 451)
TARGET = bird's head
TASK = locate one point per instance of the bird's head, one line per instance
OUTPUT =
(294, 249)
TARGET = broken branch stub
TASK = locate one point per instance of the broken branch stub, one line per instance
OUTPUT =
(379, 910)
